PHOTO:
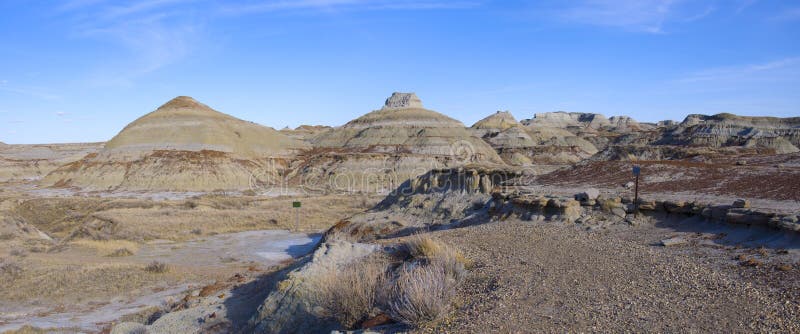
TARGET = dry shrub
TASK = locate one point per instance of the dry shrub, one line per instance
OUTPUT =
(107, 246)
(416, 292)
(421, 293)
(121, 252)
(434, 251)
(349, 294)
(156, 267)
(28, 329)
(608, 205)
(10, 269)
(7, 236)
(18, 252)
(420, 246)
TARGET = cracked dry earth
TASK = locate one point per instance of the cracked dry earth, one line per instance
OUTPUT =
(545, 277)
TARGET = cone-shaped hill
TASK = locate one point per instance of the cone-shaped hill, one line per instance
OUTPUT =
(403, 125)
(544, 148)
(182, 146)
(187, 125)
(389, 145)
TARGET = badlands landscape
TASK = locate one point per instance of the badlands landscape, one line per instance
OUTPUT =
(405, 219)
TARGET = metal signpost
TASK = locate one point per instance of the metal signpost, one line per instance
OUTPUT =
(296, 205)
(636, 171)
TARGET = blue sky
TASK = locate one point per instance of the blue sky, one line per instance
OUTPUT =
(80, 70)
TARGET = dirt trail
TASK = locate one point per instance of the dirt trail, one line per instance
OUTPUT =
(545, 277)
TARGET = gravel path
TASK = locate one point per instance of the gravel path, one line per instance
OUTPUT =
(540, 277)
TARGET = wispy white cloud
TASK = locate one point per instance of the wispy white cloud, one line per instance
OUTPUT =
(342, 5)
(745, 4)
(699, 16)
(153, 34)
(649, 16)
(36, 92)
(425, 5)
(790, 14)
(773, 70)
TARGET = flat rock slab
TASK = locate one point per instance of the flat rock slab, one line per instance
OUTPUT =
(673, 242)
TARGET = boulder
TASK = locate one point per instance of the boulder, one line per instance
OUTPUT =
(673, 242)
(129, 328)
(741, 203)
(677, 207)
(589, 194)
(789, 223)
(645, 205)
(619, 212)
(747, 217)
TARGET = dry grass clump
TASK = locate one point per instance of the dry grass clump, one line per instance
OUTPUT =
(417, 291)
(349, 294)
(421, 293)
(121, 252)
(28, 329)
(10, 269)
(749, 261)
(107, 246)
(423, 289)
(74, 283)
(428, 249)
(18, 252)
(156, 267)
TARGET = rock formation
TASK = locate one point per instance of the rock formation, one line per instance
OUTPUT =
(32, 162)
(726, 130)
(506, 135)
(183, 146)
(305, 132)
(387, 146)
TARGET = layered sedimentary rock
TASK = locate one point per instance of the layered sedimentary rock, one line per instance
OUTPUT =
(381, 149)
(542, 145)
(702, 137)
(507, 136)
(305, 132)
(32, 162)
(183, 146)
(725, 130)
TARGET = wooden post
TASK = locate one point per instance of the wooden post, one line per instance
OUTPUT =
(296, 205)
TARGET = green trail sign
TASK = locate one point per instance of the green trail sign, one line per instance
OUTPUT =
(296, 205)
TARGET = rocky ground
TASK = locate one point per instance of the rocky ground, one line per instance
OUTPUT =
(549, 277)
(773, 177)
